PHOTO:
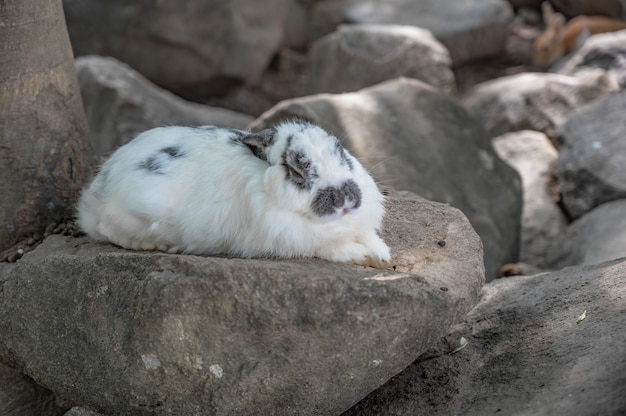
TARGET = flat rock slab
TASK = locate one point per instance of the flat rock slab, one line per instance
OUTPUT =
(138, 333)
(528, 352)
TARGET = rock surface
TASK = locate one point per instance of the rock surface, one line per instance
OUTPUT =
(139, 333)
(606, 51)
(611, 8)
(592, 156)
(470, 30)
(336, 62)
(120, 103)
(534, 157)
(413, 137)
(528, 352)
(80, 411)
(196, 48)
(534, 101)
(596, 237)
(21, 396)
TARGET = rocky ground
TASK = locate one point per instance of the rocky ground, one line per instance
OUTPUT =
(100, 328)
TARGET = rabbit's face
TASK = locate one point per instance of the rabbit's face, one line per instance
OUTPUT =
(319, 177)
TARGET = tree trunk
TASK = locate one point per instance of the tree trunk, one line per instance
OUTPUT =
(44, 148)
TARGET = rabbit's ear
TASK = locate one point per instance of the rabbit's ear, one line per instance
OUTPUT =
(259, 141)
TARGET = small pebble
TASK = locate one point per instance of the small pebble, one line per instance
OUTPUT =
(441, 243)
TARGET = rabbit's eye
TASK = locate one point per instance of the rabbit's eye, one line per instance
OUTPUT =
(299, 169)
(297, 177)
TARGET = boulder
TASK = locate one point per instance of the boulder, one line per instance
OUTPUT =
(416, 138)
(611, 8)
(606, 51)
(471, 30)
(526, 3)
(534, 157)
(529, 352)
(120, 103)
(138, 333)
(195, 48)
(593, 155)
(21, 396)
(336, 62)
(323, 17)
(80, 411)
(596, 237)
(534, 101)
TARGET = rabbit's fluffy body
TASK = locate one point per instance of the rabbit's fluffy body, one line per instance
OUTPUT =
(292, 191)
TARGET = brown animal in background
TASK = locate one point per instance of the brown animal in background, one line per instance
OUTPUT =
(560, 38)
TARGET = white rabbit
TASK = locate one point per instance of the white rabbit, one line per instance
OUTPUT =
(291, 191)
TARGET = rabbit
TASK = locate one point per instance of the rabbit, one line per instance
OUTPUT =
(560, 38)
(290, 191)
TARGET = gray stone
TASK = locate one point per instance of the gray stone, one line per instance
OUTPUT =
(534, 157)
(139, 333)
(80, 411)
(324, 16)
(193, 48)
(470, 30)
(611, 8)
(534, 101)
(596, 237)
(592, 156)
(528, 352)
(416, 138)
(359, 56)
(120, 103)
(21, 396)
(606, 51)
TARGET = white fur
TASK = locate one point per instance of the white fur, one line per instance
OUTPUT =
(219, 198)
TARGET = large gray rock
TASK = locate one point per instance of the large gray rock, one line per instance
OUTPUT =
(414, 137)
(534, 101)
(337, 62)
(534, 157)
(80, 411)
(120, 103)
(606, 51)
(323, 17)
(470, 30)
(611, 8)
(596, 237)
(194, 48)
(139, 333)
(21, 396)
(592, 156)
(528, 353)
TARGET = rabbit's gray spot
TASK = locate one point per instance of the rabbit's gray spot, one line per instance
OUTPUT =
(300, 171)
(173, 151)
(257, 142)
(152, 164)
(344, 160)
(352, 192)
(329, 200)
